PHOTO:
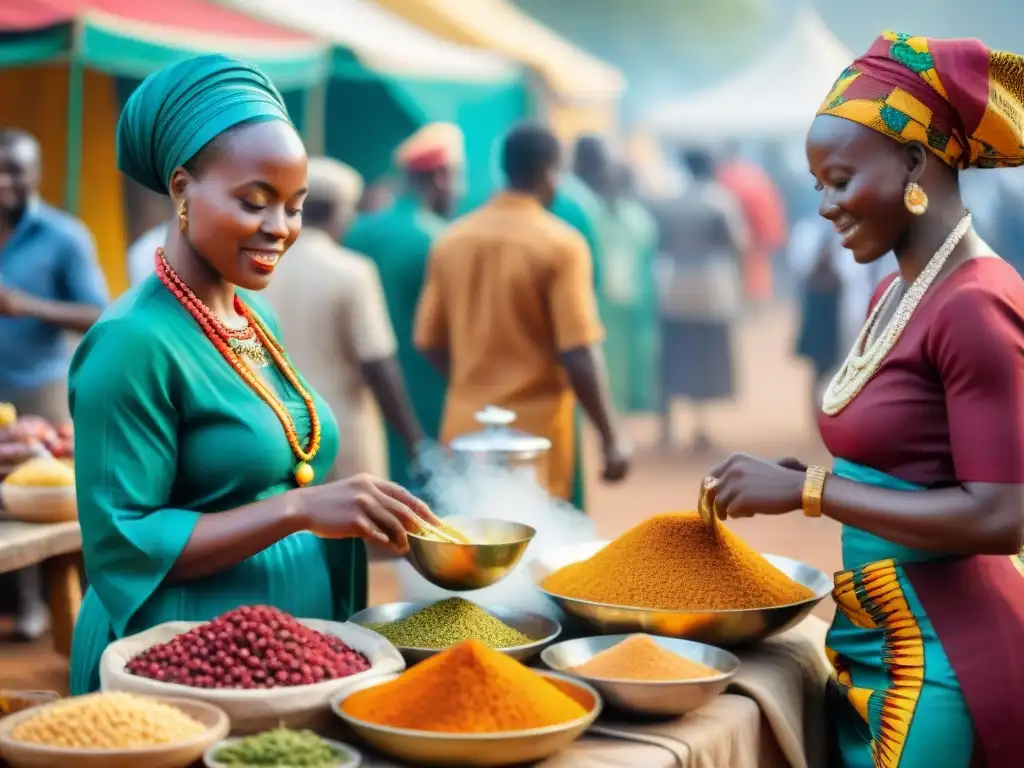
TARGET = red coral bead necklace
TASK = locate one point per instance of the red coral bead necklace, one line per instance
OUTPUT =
(232, 344)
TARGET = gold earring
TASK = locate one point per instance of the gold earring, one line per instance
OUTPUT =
(183, 217)
(915, 199)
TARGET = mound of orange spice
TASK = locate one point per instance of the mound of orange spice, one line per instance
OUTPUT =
(468, 688)
(674, 562)
(641, 658)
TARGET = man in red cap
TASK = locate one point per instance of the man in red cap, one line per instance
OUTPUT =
(399, 239)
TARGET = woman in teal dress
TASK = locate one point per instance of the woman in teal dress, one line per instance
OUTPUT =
(199, 449)
(925, 418)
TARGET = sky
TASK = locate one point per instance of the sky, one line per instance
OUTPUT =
(669, 47)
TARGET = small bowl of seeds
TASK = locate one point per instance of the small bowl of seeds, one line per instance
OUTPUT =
(282, 748)
(420, 629)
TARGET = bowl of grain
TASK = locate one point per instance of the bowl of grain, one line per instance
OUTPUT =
(421, 629)
(42, 490)
(646, 675)
(673, 576)
(112, 730)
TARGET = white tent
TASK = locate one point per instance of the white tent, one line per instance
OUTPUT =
(381, 40)
(774, 98)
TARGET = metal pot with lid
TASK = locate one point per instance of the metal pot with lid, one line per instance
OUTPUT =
(499, 444)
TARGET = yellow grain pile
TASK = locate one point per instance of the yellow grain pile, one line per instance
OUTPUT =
(42, 473)
(108, 721)
(674, 562)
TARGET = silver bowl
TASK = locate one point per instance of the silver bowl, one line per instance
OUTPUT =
(463, 567)
(545, 629)
(474, 749)
(722, 628)
(642, 697)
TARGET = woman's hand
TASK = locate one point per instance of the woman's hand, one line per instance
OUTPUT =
(364, 507)
(744, 486)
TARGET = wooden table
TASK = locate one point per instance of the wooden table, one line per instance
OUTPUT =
(56, 547)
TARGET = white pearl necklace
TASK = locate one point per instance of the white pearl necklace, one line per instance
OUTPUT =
(864, 360)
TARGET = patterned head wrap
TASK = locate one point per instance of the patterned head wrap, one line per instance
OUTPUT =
(958, 98)
(179, 109)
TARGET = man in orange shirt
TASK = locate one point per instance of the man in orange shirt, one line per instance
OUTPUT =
(508, 314)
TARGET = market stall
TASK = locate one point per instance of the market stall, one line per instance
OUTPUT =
(58, 59)
(38, 520)
(633, 671)
(55, 546)
(774, 98)
(32, 31)
(578, 92)
(389, 77)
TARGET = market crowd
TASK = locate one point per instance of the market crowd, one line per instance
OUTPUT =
(570, 294)
(554, 300)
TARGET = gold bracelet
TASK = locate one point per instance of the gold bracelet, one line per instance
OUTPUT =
(814, 489)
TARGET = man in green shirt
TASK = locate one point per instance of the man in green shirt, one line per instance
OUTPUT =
(641, 229)
(593, 165)
(399, 239)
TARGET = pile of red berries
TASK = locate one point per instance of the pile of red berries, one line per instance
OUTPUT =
(249, 647)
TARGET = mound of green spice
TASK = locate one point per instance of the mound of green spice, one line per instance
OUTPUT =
(448, 622)
(281, 748)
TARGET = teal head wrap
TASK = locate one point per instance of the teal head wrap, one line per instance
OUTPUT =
(179, 109)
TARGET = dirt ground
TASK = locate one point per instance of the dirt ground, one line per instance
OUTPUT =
(770, 417)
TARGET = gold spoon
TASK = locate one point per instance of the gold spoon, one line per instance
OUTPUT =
(704, 509)
(443, 533)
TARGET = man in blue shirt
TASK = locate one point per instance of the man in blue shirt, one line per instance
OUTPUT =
(50, 284)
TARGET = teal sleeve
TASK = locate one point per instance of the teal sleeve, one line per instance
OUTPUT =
(126, 459)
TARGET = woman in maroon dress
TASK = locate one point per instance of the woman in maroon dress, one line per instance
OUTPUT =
(925, 419)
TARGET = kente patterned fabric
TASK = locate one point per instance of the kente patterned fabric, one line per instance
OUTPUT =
(958, 98)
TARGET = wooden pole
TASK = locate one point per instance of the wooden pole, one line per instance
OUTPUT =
(76, 99)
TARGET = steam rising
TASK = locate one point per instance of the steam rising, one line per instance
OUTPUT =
(485, 491)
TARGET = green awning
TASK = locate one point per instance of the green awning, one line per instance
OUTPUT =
(19, 49)
(131, 39)
(389, 77)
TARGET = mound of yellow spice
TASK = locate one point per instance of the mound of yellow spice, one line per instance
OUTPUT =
(674, 562)
(468, 688)
(641, 658)
(108, 721)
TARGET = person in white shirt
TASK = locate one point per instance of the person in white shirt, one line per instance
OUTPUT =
(142, 253)
(336, 327)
